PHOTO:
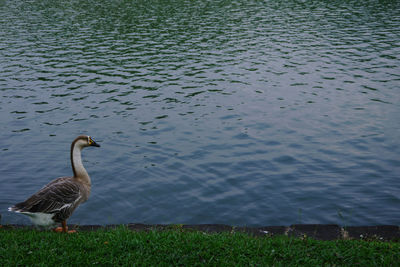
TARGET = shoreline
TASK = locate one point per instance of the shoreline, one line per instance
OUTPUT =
(314, 231)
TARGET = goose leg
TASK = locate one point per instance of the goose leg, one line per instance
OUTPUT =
(64, 226)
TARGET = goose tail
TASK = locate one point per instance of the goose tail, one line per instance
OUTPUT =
(11, 208)
(15, 209)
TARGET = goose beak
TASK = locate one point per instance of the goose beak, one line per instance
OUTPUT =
(95, 144)
(92, 142)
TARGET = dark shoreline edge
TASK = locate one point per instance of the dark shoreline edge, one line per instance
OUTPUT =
(314, 231)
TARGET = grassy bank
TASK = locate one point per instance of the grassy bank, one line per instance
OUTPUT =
(176, 247)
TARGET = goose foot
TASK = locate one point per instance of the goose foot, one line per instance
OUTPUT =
(64, 228)
(58, 230)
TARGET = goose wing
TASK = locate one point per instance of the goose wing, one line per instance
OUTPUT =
(59, 196)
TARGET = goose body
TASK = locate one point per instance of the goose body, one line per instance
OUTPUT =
(57, 200)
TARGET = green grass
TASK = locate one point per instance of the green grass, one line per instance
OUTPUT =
(177, 247)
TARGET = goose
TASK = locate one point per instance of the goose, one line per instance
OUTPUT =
(57, 200)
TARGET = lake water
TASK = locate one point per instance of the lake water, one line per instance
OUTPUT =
(236, 112)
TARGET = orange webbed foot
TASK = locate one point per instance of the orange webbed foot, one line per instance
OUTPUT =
(58, 230)
(64, 230)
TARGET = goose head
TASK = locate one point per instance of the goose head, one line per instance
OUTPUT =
(84, 141)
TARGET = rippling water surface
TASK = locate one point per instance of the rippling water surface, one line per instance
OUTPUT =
(235, 112)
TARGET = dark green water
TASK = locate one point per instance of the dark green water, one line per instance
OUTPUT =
(236, 112)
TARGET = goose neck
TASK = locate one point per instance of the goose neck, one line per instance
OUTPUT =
(80, 172)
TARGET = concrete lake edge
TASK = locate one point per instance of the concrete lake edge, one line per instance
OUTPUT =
(314, 231)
